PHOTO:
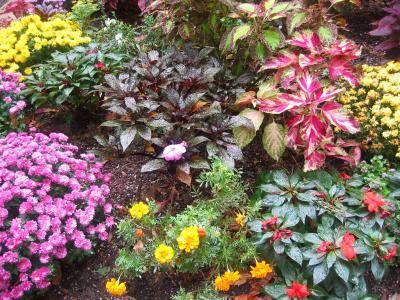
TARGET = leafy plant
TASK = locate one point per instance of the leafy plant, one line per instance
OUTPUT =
(82, 13)
(200, 236)
(311, 106)
(323, 230)
(68, 79)
(165, 100)
(389, 27)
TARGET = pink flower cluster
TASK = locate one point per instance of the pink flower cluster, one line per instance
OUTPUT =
(51, 202)
(10, 85)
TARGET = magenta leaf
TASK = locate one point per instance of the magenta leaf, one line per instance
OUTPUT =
(337, 115)
(308, 84)
(314, 161)
(308, 41)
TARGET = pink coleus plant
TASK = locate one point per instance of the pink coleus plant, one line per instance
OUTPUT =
(309, 53)
(312, 112)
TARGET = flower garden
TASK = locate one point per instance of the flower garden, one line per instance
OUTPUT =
(199, 150)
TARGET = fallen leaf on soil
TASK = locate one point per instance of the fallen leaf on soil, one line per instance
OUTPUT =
(183, 177)
(110, 236)
(243, 279)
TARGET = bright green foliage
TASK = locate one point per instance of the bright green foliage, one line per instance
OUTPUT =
(220, 246)
(204, 293)
(318, 229)
(82, 13)
(67, 80)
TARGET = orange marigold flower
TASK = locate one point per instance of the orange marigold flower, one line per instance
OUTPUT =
(116, 288)
(261, 270)
(139, 233)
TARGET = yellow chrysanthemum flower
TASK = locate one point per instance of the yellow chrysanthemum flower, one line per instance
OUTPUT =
(376, 106)
(139, 210)
(28, 71)
(189, 239)
(260, 270)
(164, 254)
(116, 288)
(221, 284)
(231, 277)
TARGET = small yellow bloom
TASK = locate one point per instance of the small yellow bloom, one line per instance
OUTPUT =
(164, 254)
(231, 277)
(221, 284)
(139, 210)
(115, 288)
(28, 71)
(240, 219)
(189, 239)
(260, 270)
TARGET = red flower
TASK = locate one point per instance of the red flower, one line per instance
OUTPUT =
(344, 176)
(320, 195)
(324, 247)
(385, 213)
(297, 290)
(268, 222)
(100, 65)
(374, 201)
(392, 253)
(347, 246)
(282, 234)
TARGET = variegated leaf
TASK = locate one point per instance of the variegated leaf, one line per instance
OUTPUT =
(274, 140)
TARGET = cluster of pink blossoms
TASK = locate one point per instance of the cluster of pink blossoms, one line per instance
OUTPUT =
(51, 202)
(11, 85)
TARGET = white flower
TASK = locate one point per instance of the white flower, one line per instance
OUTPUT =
(119, 37)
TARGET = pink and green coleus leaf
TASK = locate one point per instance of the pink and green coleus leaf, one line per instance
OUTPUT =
(307, 40)
(338, 116)
(309, 84)
(341, 68)
(314, 161)
(313, 131)
(282, 103)
(284, 59)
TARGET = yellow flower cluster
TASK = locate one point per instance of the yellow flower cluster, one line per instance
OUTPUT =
(260, 270)
(139, 210)
(164, 254)
(223, 283)
(189, 239)
(240, 219)
(30, 35)
(376, 106)
(115, 288)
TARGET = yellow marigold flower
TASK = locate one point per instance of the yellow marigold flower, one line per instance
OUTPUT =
(139, 210)
(221, 284)
(28, 71)
(189, 239)
(261, 270)
(240, 219)
(164, 254)
(231, 277)
(115, 288)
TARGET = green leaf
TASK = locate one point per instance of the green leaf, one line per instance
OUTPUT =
(282, 7)
(255, 226)
(247, 8)
(278, 247)
(294, 253)
(240, 32)
(320, 272)
(295, 21)
(312, 238)
(342, 270)
(226, 41)
(103, 271)
(110, 123)
(273, 200)
(245, 134)
(275, 290)
(281, 178)
(330, 259)
(377, 268)
(326, 34)
(268, 4)
(261, 52)
(274, 140)
(272, 38)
